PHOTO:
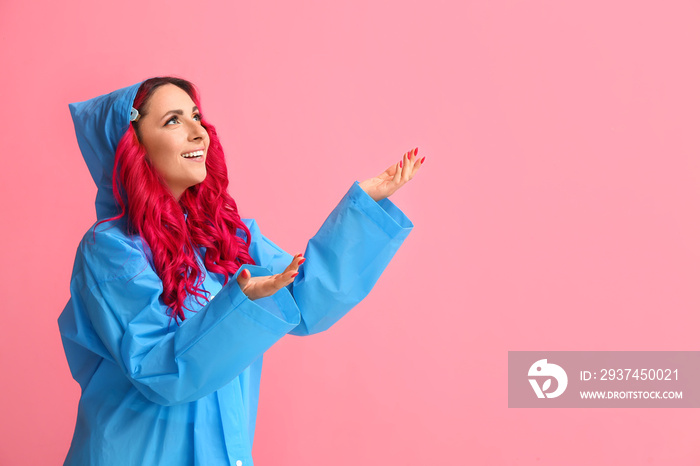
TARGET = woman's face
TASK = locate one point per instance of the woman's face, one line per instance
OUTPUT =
(176, 142)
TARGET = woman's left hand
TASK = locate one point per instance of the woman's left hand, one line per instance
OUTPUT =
(388, 182)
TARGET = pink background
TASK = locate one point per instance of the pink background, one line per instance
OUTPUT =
(557, 209)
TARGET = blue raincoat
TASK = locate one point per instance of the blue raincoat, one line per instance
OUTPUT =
(155, 393)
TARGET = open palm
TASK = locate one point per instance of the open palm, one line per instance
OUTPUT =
(260, 287)
(390, 180)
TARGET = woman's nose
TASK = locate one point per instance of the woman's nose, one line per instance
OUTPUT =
(197, 131)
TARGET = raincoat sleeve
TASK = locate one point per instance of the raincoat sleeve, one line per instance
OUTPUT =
(343, 260)
(118, 313)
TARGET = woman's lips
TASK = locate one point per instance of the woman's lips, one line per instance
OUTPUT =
(194, 155)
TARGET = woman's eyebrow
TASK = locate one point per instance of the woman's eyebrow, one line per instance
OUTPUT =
(179, 112)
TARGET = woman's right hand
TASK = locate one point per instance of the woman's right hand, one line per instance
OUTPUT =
(260, 287)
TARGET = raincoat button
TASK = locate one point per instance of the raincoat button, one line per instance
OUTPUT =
(239, 463)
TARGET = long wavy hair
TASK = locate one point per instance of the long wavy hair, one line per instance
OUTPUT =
(154, 214)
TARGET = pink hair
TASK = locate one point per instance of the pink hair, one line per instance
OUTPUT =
(156, 216)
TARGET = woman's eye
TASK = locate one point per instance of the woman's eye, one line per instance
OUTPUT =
(175, 120)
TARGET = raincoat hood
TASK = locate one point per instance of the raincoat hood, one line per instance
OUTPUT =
(100, 124)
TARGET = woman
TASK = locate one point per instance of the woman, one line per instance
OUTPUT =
(175, 298)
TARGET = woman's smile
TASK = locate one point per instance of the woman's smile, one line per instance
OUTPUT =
(197, 155)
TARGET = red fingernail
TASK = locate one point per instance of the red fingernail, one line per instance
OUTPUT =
(302, 261)
(401, 164)
(422, 160)
(415, 152)
(295, 274)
